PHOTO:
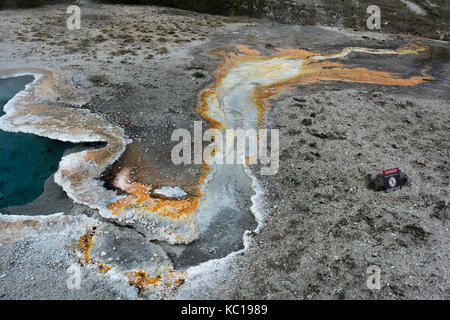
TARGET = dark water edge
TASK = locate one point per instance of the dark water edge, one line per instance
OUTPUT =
(26, 160)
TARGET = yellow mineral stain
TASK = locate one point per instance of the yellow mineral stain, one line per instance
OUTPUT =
(142, 280)
(294, 53)
(140, 196)
(172, 208)
(315, 71)
(247, 50)
(84, 246)
(412, 49)
(203, 109)
(103, 268)
(137, 278)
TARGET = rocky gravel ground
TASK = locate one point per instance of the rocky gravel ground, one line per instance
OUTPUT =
(326, 226)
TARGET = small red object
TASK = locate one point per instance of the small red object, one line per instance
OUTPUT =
(390, 171)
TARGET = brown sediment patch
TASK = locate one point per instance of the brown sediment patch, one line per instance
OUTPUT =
(12, 230)
(146, 170)
(97, 155)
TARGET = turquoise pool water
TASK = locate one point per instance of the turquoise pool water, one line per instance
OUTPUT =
(26, 160)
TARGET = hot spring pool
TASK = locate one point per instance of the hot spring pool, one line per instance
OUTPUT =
(26, 160)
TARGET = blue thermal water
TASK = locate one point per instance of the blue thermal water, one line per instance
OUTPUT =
(26, 160)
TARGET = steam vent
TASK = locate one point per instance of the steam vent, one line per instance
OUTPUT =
(94, 117)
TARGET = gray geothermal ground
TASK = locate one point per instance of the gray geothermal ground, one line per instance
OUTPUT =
(324, 228)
